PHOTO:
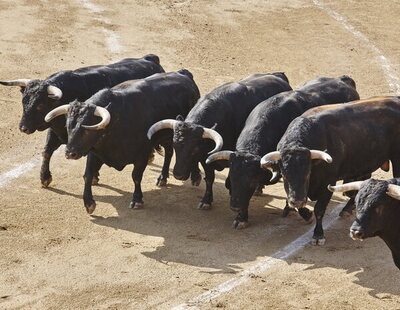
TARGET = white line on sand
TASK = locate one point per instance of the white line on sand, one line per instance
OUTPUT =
(112, 39)
(266, 263)
(390, 73)
(8, 176)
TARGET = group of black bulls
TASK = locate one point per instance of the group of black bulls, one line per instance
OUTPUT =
(260, 128)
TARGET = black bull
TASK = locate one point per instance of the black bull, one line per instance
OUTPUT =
(377, 212)
(264, 128)
(220, 115)
(42, 96)
(127, 111)
(336, 142)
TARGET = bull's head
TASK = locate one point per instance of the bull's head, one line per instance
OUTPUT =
(244, 176)
(189, 142)
(38, 99)
(295, 165)
(375, 202)
(83, 126)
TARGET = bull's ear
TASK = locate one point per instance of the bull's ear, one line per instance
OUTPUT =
(22, 89)
(180, 118)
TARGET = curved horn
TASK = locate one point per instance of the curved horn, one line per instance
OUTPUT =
(213, 135)
(315, 154)
(19, 82)
(56, 112)
(105, 119)
(394, 191)
(268, 159)
(352, 186)
(54, 92)
(166, 123)
(221, 155)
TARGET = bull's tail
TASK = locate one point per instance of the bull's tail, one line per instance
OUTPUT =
(348, 80)
(186, 72)
(281, 75)
(152, 58)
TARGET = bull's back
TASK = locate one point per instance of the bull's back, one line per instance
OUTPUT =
(84, 82)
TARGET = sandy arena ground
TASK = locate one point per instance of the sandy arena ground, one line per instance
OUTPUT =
(55, 256)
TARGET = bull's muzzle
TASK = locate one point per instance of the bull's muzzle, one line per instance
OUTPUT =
(26, 130)
(357, 234)
(72, 155)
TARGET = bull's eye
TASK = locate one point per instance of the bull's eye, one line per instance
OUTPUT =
(40, 107)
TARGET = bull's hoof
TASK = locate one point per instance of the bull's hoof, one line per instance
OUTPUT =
(46, 183)
(345, 213)
(318, 241)
(286, 211)
(306, 215)
(136, 205)
(204, 206)
(239, 224)
(196, 181)
(161, 182)
(90, 209)
(95, 181)
(258, 192)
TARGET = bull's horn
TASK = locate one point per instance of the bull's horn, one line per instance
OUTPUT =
(221, 155)
(19, 82)
(213, 135)
(56, 112)
(352, 186)
(394, 191)
(315, 154)
(105, 119)
(164, 124)
(268, 159)
(54, 92)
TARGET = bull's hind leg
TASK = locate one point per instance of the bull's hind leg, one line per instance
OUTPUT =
(207, 199)
(319, 211)
(52, 144)
(93, 165)
(163, 178)
(137, 175)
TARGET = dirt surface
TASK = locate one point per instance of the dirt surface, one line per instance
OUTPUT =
(55, 256)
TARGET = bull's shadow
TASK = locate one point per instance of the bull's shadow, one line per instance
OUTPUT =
(207, 240)
(372, 268)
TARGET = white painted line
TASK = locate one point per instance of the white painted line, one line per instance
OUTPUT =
(93, 8)
(266, 263)
(8, 176)
(112, 39)
(390, 73)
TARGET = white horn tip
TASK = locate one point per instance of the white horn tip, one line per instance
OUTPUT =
(331, 188)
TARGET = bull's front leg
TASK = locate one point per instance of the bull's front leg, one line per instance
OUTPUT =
(97, 165)
(163, 178)
(52, 144)
(319, 212)
(206, 201)
(93, 165)
(137, 175)
(242, 219)
(195, 175)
